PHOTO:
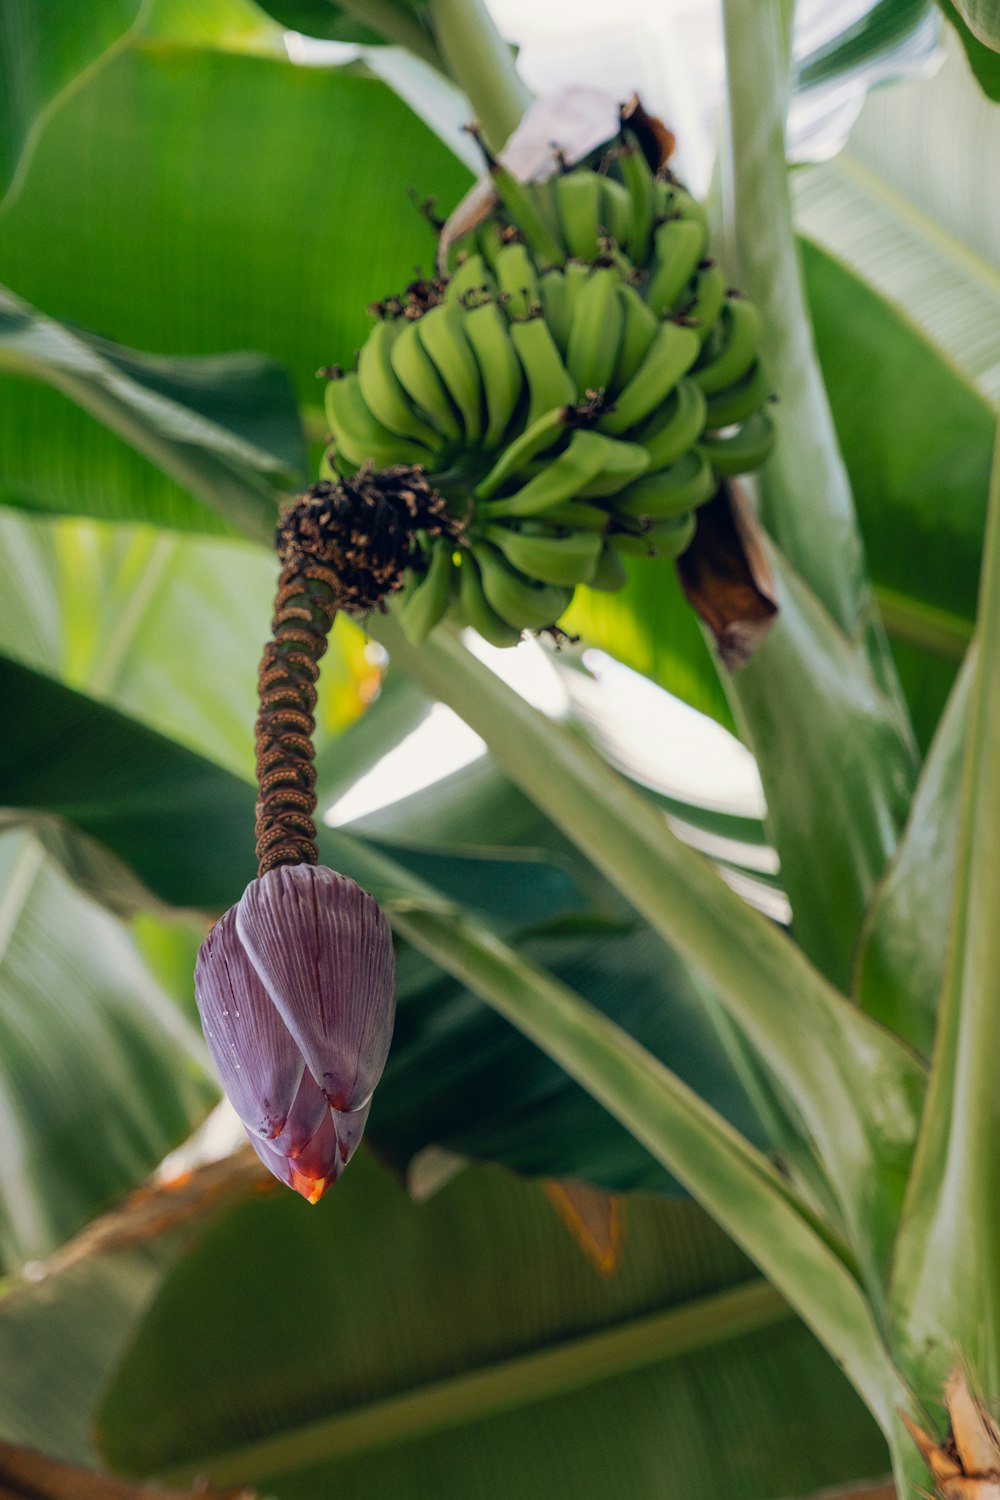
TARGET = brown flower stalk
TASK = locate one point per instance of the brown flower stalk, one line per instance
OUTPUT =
(342, 545)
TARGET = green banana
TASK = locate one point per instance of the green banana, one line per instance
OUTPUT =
(360, 437)
(596, 331)
(524, 603)
(680, 244)
(639, 181)
(541, 553)
(442, 334)
(522, 202)
(675, 425)
(674, 201)
(517, 280)
(428, 596)
(671, 354)
(578, 203)
(563, 478)
(609, 574)
(487, 332)
(418, 375)
(616, 209)
(709, 296)
(740, 400)
(488, 237)
(549, 382)
(471, 281)
(743, 450)
(739, 334)
(639, 325)
(555, 305)
(623, 463)
(477, 611)
(540, 435)
(386, 398)
(669, 492)
(673, 536)
(578, 515)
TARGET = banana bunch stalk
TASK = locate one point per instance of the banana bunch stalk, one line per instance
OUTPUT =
(576, 384)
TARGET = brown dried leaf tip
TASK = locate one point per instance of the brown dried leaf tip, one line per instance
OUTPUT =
(966, 1466)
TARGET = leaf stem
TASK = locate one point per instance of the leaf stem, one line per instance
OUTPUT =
(855, 1086)
(482, 65)
(946, 1281)
(398, 24)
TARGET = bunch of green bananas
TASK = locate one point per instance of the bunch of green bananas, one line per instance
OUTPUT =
(574, 389)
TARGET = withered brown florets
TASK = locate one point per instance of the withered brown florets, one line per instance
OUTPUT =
(363, 530)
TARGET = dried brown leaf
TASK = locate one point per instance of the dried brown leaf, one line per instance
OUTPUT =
(725, 576)
(26, 1474)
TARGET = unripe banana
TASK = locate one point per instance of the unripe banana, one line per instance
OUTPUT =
(638, 180)
(524, 603)
(476, 609)
(623, 463)
(358, 436)
(673, 536)
(616, 209)
(538, 437)
(578, 203)
(418, 375)
(680, 245)
(595, 332)
(675, 425)
(667, 538)
(442, 334)
(555, 306)
(740, 401)
(674, 201)
(565, 476)
(428, 597)
(709, 295)
(566, 560)
(743, 450)
(489, 240)
(550, 384)
(486, 329)
(609, 573)
(738, 331)
(639, 325)
(577, 515)
(523, 203)
(670, 356)
(518, 281)
(386, 398)
(470, 282)
(669, 492)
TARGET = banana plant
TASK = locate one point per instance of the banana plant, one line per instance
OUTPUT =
(565, 401)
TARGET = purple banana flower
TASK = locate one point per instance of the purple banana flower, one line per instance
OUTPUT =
(296, 988)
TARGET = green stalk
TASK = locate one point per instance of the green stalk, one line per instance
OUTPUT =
(855, 1086)
(482, 65)
(398, 24)
(945, 1294)
(806, 495)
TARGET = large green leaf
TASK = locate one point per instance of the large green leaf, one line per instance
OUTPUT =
(226, 429)
(901, 962)
(439, 1385)
(415, 1374)
(45, 47)
(123, 612)
(99, 1075)
(949, 1237)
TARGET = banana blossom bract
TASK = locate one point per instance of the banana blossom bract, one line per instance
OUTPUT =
(296, 991)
